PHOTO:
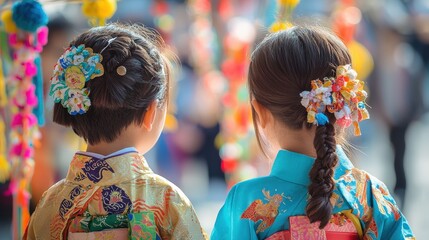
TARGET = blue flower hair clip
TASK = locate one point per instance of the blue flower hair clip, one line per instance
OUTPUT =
(74, 68)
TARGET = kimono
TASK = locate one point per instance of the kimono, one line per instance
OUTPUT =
(113, 197)
(273, 207)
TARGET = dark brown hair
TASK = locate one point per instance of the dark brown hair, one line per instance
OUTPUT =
(118, 101)
(281, 67)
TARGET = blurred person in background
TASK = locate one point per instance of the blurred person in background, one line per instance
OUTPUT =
(401, 56)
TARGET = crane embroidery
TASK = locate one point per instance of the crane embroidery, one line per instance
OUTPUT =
(264, 212)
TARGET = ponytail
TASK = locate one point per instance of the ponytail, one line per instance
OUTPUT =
(319, 207)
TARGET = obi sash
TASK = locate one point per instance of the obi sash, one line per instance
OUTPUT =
(114, 226)
(340, 227)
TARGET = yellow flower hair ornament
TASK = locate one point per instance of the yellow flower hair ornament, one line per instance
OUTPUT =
(344, 96)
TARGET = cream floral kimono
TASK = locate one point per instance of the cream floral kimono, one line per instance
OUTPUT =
(113, 197)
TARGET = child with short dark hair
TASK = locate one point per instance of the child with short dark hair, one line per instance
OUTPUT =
(304, 93)
(111, 86)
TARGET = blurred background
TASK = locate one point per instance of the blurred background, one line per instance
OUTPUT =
(209, 145)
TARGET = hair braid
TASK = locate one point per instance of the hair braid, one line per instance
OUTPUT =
(282, 67)
(319, 207)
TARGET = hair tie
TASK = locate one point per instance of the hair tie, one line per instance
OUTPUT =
(343, 96)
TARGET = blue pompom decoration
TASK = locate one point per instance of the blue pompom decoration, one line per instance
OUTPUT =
(29, 15)
(321, 119)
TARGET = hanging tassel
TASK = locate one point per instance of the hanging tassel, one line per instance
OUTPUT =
(39, 110)
(30, 19)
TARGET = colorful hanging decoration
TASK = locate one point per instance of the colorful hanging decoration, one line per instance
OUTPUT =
(220, 58)
(284, 17)
(164, 23)
(25, 24)
(236, 138)
(7, 25)
(98, 11)
(237, 132)
(162, 18)
(345, 20)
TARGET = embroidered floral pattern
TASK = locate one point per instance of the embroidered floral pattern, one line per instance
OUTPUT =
(385, 205)
(74, 68)
(339, 219)
(264, 212)
(142, 225)
(115, 200)
(359, 186)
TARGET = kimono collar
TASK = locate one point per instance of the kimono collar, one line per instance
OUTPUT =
(89, 169)
(295, 167)
(117, 153)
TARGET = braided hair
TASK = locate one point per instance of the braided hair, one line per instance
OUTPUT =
(281, 67)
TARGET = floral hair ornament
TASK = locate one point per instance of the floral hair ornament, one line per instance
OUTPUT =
(74, 68)
(344, 96)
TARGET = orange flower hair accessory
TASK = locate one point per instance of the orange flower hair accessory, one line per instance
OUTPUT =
(344, 96)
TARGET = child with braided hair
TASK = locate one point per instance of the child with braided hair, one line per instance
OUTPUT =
(111, 87)
(304, 93)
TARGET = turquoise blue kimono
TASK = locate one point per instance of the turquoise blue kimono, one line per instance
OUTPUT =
(284, 193)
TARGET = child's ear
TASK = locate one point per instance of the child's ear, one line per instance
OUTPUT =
(263, 114)
(149, 116)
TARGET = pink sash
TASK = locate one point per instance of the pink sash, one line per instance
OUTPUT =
(301, 228)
